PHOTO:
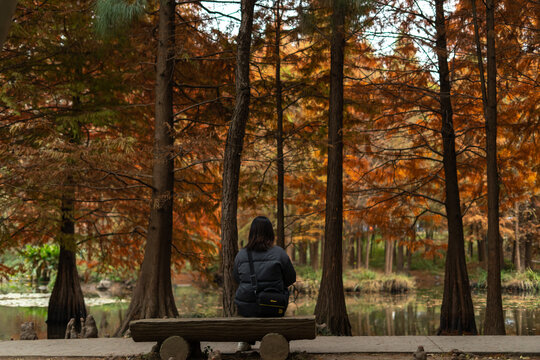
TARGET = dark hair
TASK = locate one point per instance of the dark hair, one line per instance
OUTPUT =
(261, 234)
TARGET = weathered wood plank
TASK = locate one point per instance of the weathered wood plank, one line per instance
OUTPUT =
(223, 329)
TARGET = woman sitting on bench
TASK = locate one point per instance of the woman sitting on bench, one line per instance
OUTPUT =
(263, 272)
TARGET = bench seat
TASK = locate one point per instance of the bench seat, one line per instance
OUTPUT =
(221, 329)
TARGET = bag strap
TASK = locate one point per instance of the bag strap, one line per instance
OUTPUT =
(252, 272)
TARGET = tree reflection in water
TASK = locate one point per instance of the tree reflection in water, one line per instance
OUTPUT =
(416, 313)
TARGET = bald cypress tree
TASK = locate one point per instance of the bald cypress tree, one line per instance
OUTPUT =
(232, 158)
(330, 308)
(153, 296)
(457, 312)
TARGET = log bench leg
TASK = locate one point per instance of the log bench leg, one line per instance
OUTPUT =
(174, 348)
(177, 348)
(274, 347)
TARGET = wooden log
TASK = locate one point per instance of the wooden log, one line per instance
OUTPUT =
(174, 348)
(223, 329)
(274, 347)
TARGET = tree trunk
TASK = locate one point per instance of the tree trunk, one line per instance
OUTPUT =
(481, 250)
(482, 246)
(409, 252)
(400, 258)
(7, 9)
(153, 296)
(314, 254)
(330, 308)
(67, 300)
(457, 312)
(369, 242)
(302, 252)
(527, 256)
(388, 256)
(232, 157)
(351, 254)
(359, 249)
(494, 323)
(279, 136)
(517, 251)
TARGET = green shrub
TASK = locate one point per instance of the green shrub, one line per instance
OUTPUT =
(360, 274)
(397, 283)
(513, 281)
(306, 272)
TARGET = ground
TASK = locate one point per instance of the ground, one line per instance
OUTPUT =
(303, 356)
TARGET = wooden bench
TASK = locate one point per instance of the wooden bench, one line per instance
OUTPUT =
(179, 338)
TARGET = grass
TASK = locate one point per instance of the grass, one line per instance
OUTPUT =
(356, 280)
(15, 284)
(512, 281)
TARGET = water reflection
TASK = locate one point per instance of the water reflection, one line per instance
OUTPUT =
(370, 314)
(418, 313)
(108, 317)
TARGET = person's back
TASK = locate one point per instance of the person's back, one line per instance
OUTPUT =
(271, 266)
(273, 269)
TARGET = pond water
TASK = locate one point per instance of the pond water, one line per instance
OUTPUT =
(416, 313)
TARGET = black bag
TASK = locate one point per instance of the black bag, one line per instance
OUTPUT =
(271, 301)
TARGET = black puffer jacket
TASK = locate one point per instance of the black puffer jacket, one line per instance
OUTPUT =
(273, 269)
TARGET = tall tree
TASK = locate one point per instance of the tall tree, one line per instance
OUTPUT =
(494, 323)
(66, 299)
(232, 157)
(153, 297)
(331, 308)
(457, 312)
(279, 133)
(63, 103)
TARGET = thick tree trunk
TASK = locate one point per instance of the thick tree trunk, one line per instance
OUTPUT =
(7, 9)
(232, 158)
(330, 308)
(494, 324)
(153, 296)
(67, 300)
(279, 136)
(314, 254)
(457, 312)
